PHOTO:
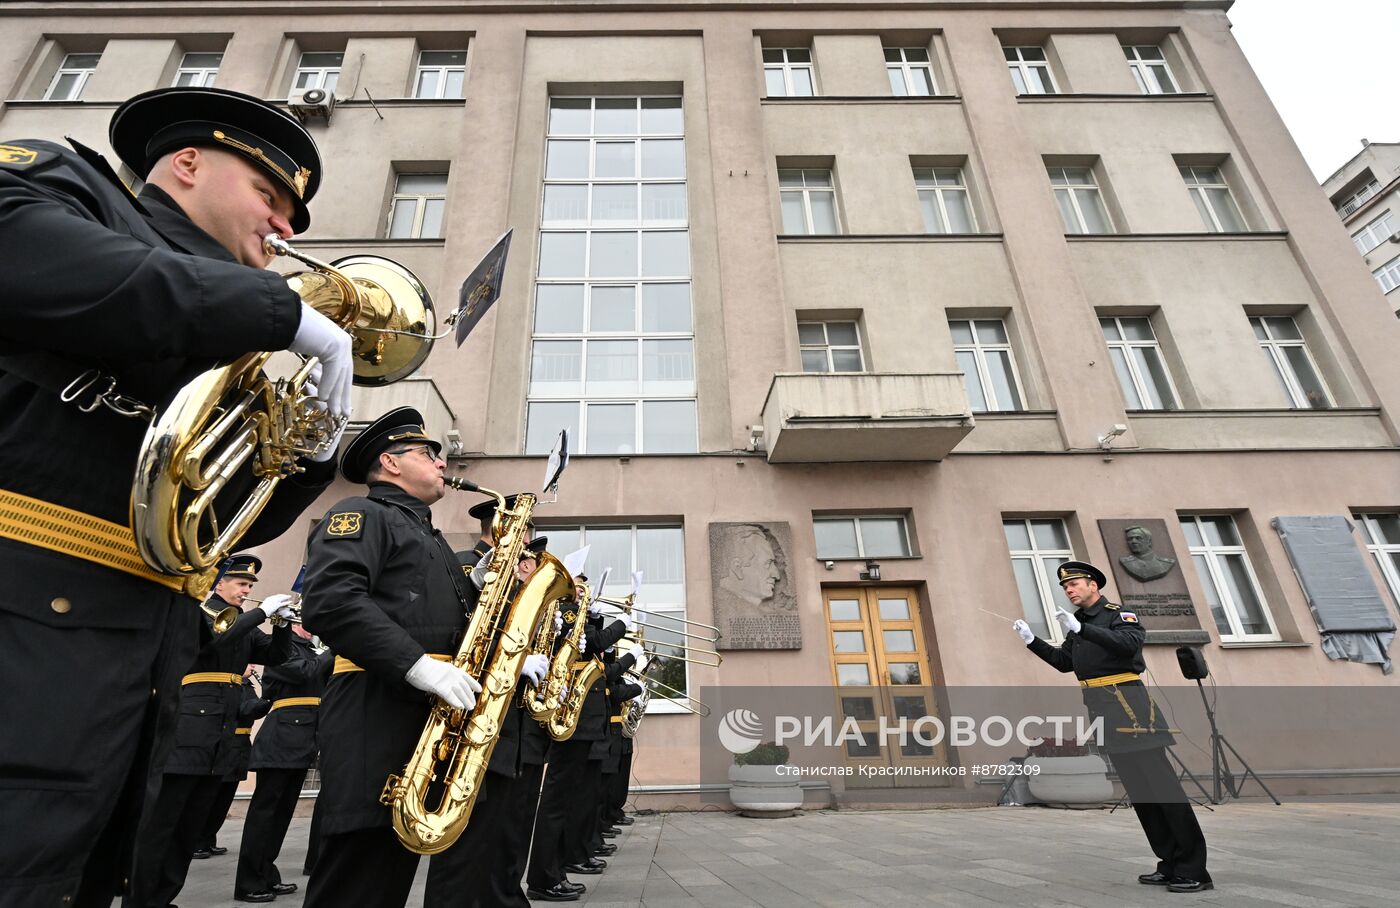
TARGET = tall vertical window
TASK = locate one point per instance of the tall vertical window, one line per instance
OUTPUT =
(943, 200)
(72, 77)
(809, 202)
(1038, 547)
(1354, 200)
(1212, 196)
(658, 552)
(983, 351)
(910, 71)
(1382, 535)
(419, 201)
(1138, 362)
(440, 74)
(1292, 364)
(198, 70)
(613, 357)
(1374, 233)
(318, 70)
(830, 347)
(1388, 275)
(788, 73)
(1030, 71)
(1150, 69)
(1228, 579)
(1081, 204)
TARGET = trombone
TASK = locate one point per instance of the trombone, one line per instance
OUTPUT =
(626, 605)
(680, 698)
(699, 657)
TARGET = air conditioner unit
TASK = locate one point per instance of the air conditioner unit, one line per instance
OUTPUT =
(308, 103)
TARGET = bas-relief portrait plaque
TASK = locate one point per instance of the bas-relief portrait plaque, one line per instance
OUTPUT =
(751, 579)
(1148, 580)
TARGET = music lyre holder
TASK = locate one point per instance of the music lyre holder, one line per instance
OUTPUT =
(1220, 763)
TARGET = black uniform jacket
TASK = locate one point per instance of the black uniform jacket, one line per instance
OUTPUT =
(1108, 644)
(89, 274)
(382, 589)
(593, 723)
(617, 692)
(251, 708)
(287, 738)
(204, 739)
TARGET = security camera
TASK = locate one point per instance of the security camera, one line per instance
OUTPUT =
(1106, 440)
(831, 565)
(1118, 429)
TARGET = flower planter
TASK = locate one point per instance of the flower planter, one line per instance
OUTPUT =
(765, 791)
(1069, 781)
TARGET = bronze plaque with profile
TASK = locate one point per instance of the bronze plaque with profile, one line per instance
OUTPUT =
(1148, 580)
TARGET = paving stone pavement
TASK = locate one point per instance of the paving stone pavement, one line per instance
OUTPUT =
(1305, 854)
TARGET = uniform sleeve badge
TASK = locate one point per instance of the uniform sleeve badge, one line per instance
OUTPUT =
(345, 524)
(17, 157)
(1128, 617)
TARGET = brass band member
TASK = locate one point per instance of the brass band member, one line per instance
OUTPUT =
(138, 296)
(250, 709)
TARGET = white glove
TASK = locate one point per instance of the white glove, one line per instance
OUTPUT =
(444, 679)
(313, 384)
(535, 667)
(479, 572)
(318, 336)
(1068, 622)
(637, 652)
(1024, 630)
(278, 605)
(558, 621)
(642, 662)
(628, 621)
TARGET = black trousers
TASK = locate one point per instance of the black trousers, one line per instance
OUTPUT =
(83, 747)
(269, 814)
(484, 868)
(367, 868)
(169, 840)
(617, 794)
(1164, 812)
(218, 812)
(568, 782)
(313, 840)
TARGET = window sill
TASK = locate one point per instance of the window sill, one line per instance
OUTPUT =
(862, 559)
(1263, 644)
(1015, 414)
(861, 99)
(1251, 236)
(1254, 413)
(1113, 96)
(323, 241)
(401, 102)
(890, 238)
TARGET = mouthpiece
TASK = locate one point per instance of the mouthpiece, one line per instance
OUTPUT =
(462, 484)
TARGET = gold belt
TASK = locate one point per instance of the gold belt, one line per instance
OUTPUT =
(296, 701)
(1110, 680)
(343, 665)
(59, 529)
(617, 719)
(212, 678)
(243, 731)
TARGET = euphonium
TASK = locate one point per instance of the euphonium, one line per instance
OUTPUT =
(235, 415)
(635, 709)
(455, 746)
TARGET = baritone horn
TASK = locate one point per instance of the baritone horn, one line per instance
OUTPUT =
(235, 416)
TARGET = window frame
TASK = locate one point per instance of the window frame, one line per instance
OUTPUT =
(1369, 232)
(1141, 68)
(940, 203)
(827, 347)
(905, 68)
(786, 66)
(1358, 197)
(321, 72)
(1293, 388)
(1045, 588)
(1381, 551)
(979, 349)
(1140, 383)
(420, 200)
(83, 74)
(205, 74)
(1073, 190)
(1389, 272)
(442, 70)
(861, 554)
(1196, 187)
(1020, 65)
(1210, 552)
(806, 193)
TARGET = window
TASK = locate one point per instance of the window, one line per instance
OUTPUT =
(787, 72)
(318, 70)
(1382, 534)
(72, 76)
(1030, 71)
(830, 347)
(1213, 200)
(1231, 589)
(1388, 275)
(1373, 234)
(658, 552)
(1150, 69)
(943, 198)
(1038, 547)
(983, 352)
(198, 70)
(416, 212)
(613, 357)
(809, 202)
(1081, 205)
(441, 74)
(883, 536)
(1288, 355)
(1355, 200)
(1138, 362)
(909, 71)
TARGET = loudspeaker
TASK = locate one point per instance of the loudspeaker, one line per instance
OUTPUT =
(1193, 663)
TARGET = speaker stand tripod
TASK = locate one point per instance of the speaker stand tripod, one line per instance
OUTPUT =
(1222, 776)
(1182, 773)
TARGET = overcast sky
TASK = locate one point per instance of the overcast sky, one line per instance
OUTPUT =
(1347, 90)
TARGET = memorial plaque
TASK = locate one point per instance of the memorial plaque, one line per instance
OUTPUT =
(1148, 580)
(751, 576)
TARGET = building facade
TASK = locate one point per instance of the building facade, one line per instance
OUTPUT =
(1365, 191)
(862, 316)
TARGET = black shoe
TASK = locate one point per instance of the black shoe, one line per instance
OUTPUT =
(591, 866)
(572, 886)
(1182, 884)
(1155, 878)
(201, 854)
(605, 851)
(217, 850)
(264, 896)
(623, 821)
(284, 888)
(611, 831)
(555, 893)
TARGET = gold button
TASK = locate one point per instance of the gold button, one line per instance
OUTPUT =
(61, 605)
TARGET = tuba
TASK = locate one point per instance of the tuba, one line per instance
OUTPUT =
(432, 799)
(234, 415)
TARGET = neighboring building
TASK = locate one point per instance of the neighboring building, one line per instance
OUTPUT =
(1366, 194)
(882, 280)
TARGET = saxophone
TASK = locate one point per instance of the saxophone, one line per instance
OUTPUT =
(456, 745)
(569, 672)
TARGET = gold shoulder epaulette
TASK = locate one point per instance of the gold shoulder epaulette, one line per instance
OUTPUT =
(1110, 605)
